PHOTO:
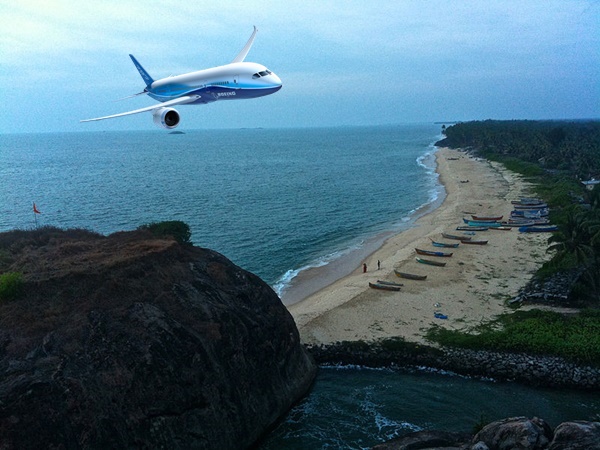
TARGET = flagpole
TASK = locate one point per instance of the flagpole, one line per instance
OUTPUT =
(35, 213)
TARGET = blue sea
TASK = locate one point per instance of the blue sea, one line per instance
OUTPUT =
(276, 202)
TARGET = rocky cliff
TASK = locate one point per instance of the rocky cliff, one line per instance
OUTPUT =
(135, 341)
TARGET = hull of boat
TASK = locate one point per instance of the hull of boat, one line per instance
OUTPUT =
(430, 253)
(384, 287)
(430, 262)
(444, 245)
(475, 242)
(410, 276)
(487, 219)
(457, 238)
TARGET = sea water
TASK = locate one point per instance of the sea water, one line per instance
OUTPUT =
(272, 201)
(276, 202)
(357, 408)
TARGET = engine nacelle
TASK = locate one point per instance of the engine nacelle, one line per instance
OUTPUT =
(166, 117)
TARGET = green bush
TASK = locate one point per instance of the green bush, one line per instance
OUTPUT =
(11, 285)
(575, 337)
(177, 229)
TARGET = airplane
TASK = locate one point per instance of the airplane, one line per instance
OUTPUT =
(237, 80)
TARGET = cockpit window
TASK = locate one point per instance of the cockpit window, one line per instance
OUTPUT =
(263, 73)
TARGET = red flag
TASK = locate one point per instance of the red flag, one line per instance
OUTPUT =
(35, 210)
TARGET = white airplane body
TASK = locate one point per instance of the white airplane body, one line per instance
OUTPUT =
(235, 81)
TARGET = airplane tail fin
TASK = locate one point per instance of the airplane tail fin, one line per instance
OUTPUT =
(146, 77)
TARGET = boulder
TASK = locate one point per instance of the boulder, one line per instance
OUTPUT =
(515, 433)
(131, 341)
(426, 440)
(576, 435)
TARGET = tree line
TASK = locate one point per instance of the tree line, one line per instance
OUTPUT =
(570, 146)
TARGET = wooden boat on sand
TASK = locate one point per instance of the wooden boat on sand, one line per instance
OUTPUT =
(444, 244)
(472, 228)
(472, 242)
(389, 283)
(431, 253)
(502, 228)
(457, 238)
(539, 229)
(487, 219)
(410, 276)
(384, 287)
(430, 262)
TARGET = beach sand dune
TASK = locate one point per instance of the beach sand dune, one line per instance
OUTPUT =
(472, 287)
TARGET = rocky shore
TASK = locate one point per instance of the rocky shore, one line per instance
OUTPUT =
(528, 369)
(511, 433)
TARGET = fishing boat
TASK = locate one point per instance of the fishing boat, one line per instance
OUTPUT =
(472, 242)
(539, 229)
(384, 287)
(444, 244)
(456, 238)
(432, 253)
(531, 207)
(430, 262)
(518, 223)
(410, 276)
(527, 201)
(389, 283)
(470, 228)
(529, 213)
(480, 223)
(487, 218)
(501, 228)
(477, 222)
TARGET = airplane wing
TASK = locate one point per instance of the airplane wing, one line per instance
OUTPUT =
(242, 55)
(178, 101)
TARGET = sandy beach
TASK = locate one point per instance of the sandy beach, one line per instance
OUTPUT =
(472, 287)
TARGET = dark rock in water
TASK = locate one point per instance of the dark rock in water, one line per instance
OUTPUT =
(576, 435)
(515, 433)
(423, 440)
(508, 434)
(129, 341)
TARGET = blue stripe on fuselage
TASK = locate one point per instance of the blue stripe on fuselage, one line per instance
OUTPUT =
(213, 93)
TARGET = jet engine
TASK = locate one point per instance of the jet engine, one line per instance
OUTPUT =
(166, 117)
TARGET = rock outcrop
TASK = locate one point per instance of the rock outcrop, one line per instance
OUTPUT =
(133, 341)
(515, 433)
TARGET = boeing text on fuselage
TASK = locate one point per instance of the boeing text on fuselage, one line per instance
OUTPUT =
(237, 80)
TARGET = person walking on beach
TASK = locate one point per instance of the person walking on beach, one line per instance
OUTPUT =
(364, 267)
(378, 264)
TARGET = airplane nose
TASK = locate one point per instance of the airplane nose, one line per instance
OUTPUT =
(276, 79)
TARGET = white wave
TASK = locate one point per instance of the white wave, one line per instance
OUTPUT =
(286, 279)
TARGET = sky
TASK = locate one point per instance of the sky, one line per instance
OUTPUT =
(342, 62)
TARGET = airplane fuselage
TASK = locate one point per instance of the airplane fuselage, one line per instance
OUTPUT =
(234, 81)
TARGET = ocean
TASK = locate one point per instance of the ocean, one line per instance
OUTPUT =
(276, 202)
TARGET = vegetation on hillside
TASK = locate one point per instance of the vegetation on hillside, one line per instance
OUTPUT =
(575, 337)
(176, 229)
(556, 145)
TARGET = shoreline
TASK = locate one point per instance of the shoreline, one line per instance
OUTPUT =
(472, 287)
(316, 277)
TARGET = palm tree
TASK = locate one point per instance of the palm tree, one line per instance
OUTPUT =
(573, 238)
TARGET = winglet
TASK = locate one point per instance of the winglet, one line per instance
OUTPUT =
(242, 55)
(147, 78)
